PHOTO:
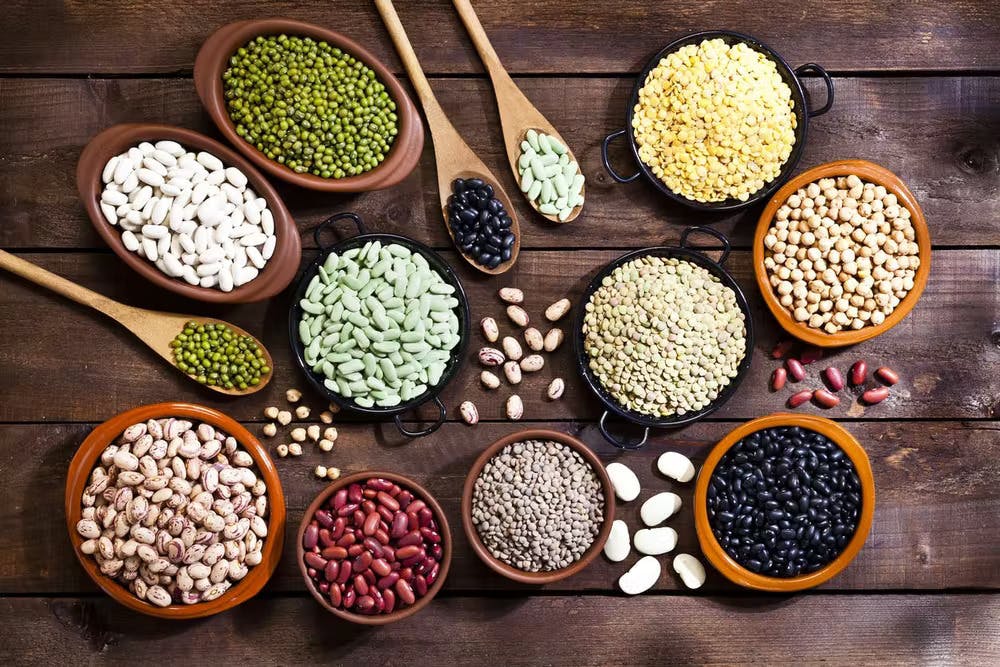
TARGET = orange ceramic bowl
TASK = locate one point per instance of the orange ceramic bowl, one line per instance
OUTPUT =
(87, 457)
(503, 568)
(867, 171)
(738, 574)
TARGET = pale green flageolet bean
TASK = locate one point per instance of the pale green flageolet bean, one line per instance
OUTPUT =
(548, 177)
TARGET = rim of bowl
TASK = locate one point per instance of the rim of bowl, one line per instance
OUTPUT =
(735, 572)
(280, 269)
(104, 434)
(446, 541)
(212, 60)
(801, 111)
(513, 573)
(867, 171)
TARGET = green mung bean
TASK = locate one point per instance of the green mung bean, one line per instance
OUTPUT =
(215, 355)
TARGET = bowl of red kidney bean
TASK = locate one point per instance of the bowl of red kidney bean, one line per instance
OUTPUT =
(374, 547)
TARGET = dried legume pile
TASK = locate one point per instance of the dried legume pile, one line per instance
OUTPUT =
(664, 336)
(480, 223)
(548, 177)
(174, 512)
(715, 121)
(373, 548)
(784, 501)
(379, 324)
(216, 355)
(188, 214)
(310, 106)
(841, 254)
(537, 505)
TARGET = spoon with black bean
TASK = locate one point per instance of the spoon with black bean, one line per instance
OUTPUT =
(476, 210)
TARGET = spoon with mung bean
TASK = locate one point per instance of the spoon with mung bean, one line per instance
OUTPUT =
(155, 328)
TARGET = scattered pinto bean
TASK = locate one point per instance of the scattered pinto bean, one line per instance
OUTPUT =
(834, 379)
(778, 379)
(795, 400)
(859, 373)
(795, 369)
(825, 399)
(873, 396)
(887, 375)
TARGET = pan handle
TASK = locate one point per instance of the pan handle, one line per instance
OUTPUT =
(726, 247)
(621, 444)
(607, 164)
(323, 226)
(802, 69)
(427, 431)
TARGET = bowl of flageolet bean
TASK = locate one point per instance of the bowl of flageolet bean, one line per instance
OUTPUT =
(842, 253)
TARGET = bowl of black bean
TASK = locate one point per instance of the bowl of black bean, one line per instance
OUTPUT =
(784, 502)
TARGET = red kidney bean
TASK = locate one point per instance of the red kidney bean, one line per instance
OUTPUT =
(404, 499)
(360, 585)
(409, 550)
(365, 603)
(389, 553)
(349, 596)
(782, 348)
(388, 581)
(395, 565)
(795, 369)
(315, 560)
(355, 550)
(411, 538)
(437, 551)
(324, 587)
(406, 573)
(385, 514)
(347, 510)
(873, 396)
(810, 354)
(332, 570)
(369, 576)
(833, 378)
(427, 563)
(390, 601)
(778, 378)
(426, 516)
(325, 539)
(387, 501)
(795, 400)
(381, 567)
(859, 373)
(339, 499)
(379, 484)
(374, 546)
(432, 576)
(430, 535)
(324, 517)
(825, 399)
(334, 552)
(395, 490)
(346, 540)
(887, 375)
(416, 506)
(371, 523)
(359, 518)
(414, 559)
(345, 572)
(381, 536)
(354, 493)
(420, 585)
(405, 592)
(362, 562)
(311, 572)
(335, 596)
(369, 493)
(412, 520)
(398, 528)
(368, 506)
(339, 524)
(376, 595)
(311, 537)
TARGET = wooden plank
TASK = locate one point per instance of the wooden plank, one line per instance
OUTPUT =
(53, 348)
(106, 36)
(649, 630)
(936, 133)
(937, 517)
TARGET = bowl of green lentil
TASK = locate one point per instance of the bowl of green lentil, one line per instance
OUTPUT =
(309, 105)
(379, 324)
(697, 336)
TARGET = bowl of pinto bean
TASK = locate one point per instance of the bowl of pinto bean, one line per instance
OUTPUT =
(374, 547)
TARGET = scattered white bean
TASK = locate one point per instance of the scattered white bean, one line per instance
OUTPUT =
(690, 569)
(617, 547)
(655, 541)
(624, 480)
(676, 466)
(659, 508)
(641, 577)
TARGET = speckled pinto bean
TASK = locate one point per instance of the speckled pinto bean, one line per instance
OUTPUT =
(384, 552)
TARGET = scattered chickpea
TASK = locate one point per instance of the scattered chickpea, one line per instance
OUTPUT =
(326, 445)
(313, 432)
(284, 417)
(282, 450)
(299, 434)
(293, 395)
(302, 412)
(295, 449)
(270, 429)
(333, 473)
(271, 412)
(334, 408)
(326, 417)
(321, 471)
(330, 434)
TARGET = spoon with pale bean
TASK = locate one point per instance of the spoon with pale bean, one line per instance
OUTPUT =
(155, 328)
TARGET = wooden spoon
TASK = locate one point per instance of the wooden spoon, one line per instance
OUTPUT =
(154, 328)
(517, 113)
(453, 156)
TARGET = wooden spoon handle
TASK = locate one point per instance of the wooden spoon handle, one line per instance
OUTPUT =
(60, 285)
(479, 38)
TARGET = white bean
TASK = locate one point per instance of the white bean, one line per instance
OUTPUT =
(641, 577)
(690, 569)
(624, 480)
(659, 508)
(617, 547)
(655, 541)
(676, 466)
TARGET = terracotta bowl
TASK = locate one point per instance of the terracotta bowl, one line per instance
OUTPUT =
(735, 572)
(278, 272)
(213, 59)
(87, 457)
(446, 542)
(498, 565)
(867, 171)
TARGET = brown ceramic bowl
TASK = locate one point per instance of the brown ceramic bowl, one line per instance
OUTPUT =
(213, 59)
(87, 456)
(278, 272)
(867, 171)
(735, 572)
(498, 565)
(446, 543)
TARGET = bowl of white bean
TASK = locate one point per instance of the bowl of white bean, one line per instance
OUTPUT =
(842, 253)
(175, 510)
(188, 214)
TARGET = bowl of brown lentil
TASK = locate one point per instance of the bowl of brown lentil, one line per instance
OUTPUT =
(703, 163)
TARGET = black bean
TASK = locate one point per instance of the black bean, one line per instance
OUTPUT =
(479, 223)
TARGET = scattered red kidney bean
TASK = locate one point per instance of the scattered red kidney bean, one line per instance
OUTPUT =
(834, 379)
(381, 552)
(825, 399)
(887, 375)
(778, 379)
(810, 354)
(782, 348)
(873, 396)
(795, 400)
(795, 369)
(859, 373)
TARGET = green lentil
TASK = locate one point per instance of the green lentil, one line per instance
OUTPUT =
(217, 356)
(310, 106)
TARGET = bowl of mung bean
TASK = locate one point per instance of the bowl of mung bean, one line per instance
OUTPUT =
(664, 336)
(560, 479)
(784, 502)
(717, 120)
(308, 105)
(379, 324)
(842, 253)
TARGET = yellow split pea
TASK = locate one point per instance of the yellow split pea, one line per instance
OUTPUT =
(715, 121)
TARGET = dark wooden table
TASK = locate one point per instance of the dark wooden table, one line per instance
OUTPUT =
(917, 91)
